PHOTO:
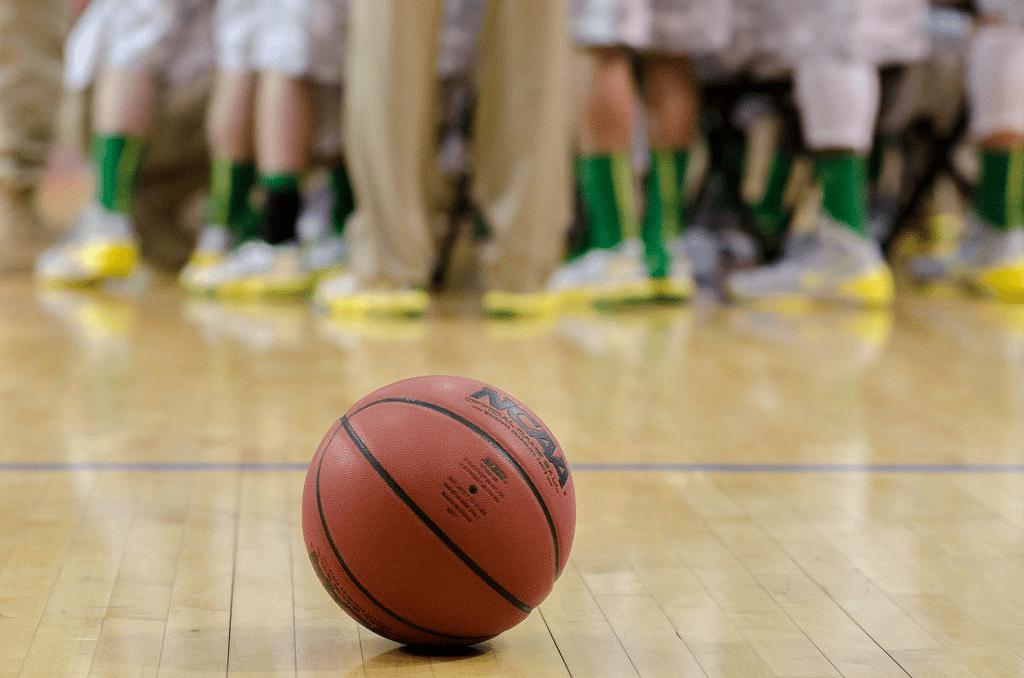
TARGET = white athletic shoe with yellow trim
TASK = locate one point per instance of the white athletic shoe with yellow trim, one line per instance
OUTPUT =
(829, 263)
(604, 276)
(211, 250)
(101, 245)
(259, 270)
(519, 304)
(346, 294)
(991, 260)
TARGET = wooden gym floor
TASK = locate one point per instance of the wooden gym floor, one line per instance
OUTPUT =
(836, 493)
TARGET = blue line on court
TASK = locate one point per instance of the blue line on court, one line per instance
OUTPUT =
(582, 467)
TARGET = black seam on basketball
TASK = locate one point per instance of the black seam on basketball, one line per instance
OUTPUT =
(434, 527)
(351, 576)
(493, 443)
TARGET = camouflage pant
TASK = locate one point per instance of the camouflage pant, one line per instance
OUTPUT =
(30, 76)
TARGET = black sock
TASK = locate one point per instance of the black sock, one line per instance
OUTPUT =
(280, 215)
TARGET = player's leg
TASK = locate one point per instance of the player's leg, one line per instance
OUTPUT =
(612, 268)
(230, 219)
(388, 114)
(837, 93)
(272, 264)
(671, 94)
(103, 244)
(29, 92)
(992, 254)
(293, 46)
(673, 106)
(321, 226)
(836, 260)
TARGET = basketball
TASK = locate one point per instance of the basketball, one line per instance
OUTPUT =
(439, 510)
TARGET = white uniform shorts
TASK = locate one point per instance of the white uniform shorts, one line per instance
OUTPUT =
(787, 32)
(299, 38)
(684, 27)
(171, 38)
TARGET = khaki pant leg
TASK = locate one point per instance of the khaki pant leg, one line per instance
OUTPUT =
(30, 82)
(389, 90)
(522, 140)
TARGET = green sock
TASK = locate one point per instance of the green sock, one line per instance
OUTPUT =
(231, 183)
(999, 196)
(281, 181)
(343, 200)
(769, 212)
(843, 180)
(663, 217)
(606, 181)
(117, 159)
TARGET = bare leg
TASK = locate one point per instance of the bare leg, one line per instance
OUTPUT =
(230, 124)
(284, 124)
(606, 116)
(123, 103)
(672, 100)
(1003, 141)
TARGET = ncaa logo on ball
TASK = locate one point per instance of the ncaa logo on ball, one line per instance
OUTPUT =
(528, 425)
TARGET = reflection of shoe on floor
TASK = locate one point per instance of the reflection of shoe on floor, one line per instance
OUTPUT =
(830, 342)
(262, 326)
(211, 250)
(353, 331)
(346, 295)
(830, 263)
(604, 276)
(991, 260)
(601, 334)
(22, 234)
(259, 270)
(97, 319)
(101, 245)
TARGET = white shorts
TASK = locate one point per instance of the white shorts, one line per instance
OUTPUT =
(688, 27)
(300, 38)
(865, 31)
(171, 38)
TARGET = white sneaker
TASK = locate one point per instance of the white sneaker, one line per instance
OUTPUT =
(830, 263)
(314, 220)
(991, 260)
(211, 250)
(100, 245)
(345, 294)
(616, 275)
(258, 269)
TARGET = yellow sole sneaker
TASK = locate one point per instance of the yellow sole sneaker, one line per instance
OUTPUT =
(1005, 283)
(265, 288)
(98, 263)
